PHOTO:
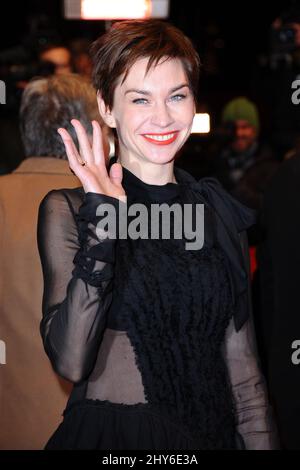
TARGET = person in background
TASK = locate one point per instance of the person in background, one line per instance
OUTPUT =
(59, 56)
(245, 165)
(279, 260)
(32, 396)
(275, 77)
(81, 58)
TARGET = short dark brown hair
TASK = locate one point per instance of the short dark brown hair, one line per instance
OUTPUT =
(115, 52)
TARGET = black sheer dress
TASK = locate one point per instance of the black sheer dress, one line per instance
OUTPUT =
(156, 338)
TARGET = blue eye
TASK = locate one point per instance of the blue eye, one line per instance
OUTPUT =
(140, 101)
(178, 97)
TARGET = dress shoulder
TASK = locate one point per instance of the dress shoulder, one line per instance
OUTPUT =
(232, 219)
(210, 191)
(227, 206)
(59, 198)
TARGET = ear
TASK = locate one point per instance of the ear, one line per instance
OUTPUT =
(105, 112)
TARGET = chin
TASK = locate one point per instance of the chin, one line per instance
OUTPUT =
(162, 158)
(162, 153)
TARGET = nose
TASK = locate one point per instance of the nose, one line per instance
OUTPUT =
(239, 132)
(162, 116)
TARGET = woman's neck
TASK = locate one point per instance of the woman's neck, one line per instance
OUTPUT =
(150, 173)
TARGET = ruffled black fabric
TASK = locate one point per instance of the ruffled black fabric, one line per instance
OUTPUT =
(231, 219)
(91, 248)
(177, 307)
(177, 336)
(102, 425)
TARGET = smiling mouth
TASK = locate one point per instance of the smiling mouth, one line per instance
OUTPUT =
(161, 139)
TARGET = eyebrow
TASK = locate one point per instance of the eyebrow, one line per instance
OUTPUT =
(148, 93)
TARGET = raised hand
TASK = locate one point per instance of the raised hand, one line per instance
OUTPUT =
(89, 165)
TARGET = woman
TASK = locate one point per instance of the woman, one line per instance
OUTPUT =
(156, 338)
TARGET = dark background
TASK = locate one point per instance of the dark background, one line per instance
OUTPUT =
(235, 33)
(232, 39)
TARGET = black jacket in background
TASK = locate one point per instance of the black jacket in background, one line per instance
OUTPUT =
(279, 262)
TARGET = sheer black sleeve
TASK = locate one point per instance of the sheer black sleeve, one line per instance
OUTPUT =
(78, 271)
(254, 417)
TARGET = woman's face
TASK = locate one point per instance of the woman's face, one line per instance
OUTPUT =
(153, 113)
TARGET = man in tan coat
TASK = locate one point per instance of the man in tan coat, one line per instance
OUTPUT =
(32, 396)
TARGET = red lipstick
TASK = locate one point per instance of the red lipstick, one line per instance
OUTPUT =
(165, 138)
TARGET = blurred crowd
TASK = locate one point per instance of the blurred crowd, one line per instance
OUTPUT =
(48, 82)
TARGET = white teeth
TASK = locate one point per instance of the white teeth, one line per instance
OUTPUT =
(160, 137)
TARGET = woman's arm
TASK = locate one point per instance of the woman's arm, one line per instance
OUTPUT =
(253, 413)
(78, 272)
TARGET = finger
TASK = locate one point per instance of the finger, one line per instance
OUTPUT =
(71, 150)
(85, 147)
(116, 174)
(98, 149)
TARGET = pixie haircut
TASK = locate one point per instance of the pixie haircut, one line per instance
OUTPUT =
(116, 51)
